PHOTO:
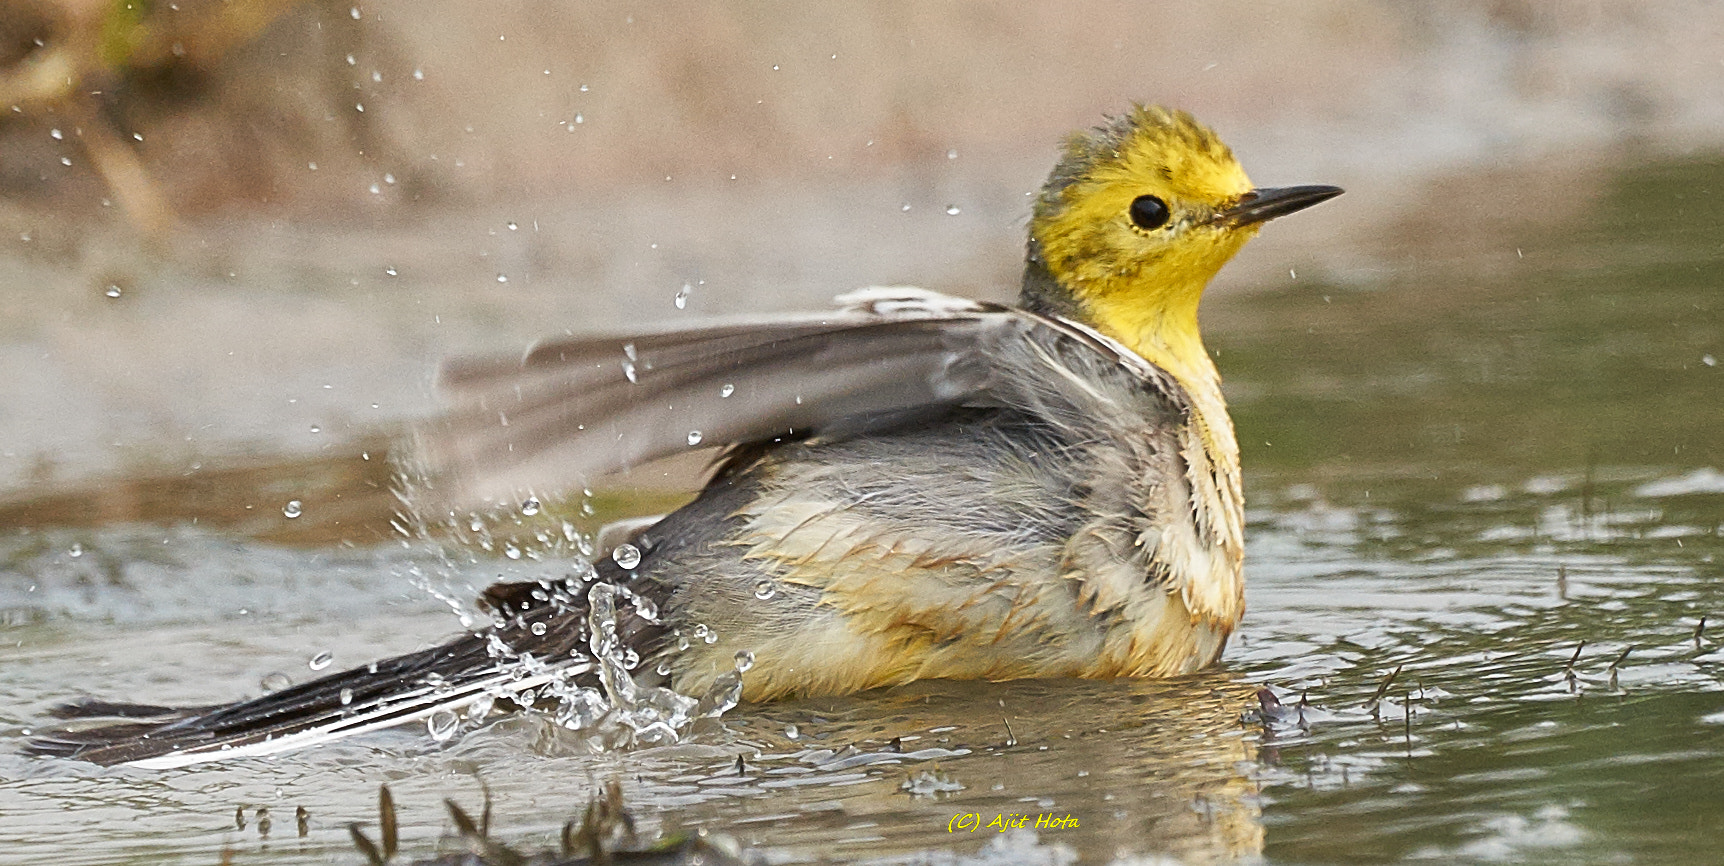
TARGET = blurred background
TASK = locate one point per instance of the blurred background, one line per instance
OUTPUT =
(1477, 398)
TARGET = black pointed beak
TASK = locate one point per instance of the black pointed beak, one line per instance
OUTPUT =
(1262, 205)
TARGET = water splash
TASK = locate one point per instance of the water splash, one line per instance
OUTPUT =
(626, 555)
(442, 725)
(586, 695)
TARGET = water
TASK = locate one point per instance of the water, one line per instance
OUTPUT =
(1493, 466)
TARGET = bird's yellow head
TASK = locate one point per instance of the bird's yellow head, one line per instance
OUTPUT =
(1135, 220)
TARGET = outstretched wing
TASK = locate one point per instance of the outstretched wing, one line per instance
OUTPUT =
(572, 410)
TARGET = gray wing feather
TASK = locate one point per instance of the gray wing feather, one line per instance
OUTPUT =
(575, 409)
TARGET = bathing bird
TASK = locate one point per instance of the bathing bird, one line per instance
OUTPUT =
(911, 486)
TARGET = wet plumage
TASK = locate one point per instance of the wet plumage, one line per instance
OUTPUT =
(924, 486)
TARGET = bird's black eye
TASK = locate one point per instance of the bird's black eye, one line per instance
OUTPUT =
(1148, 212)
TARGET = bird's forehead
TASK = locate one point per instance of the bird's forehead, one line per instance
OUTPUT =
(1148, 151)
(1184, 161)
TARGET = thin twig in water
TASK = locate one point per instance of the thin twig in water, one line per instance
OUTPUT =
(1383, 689)
(1616, 665)
(365, 846)
(1568, 669)
(386, 818)
(1622, 658)
(1407, 719)
(485, 814)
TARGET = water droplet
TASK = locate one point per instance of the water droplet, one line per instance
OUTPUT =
(530, 507)
(765, 588)
(293, 509)
(316, 429)
(112, 291)
(510, 550)
(480, 707)
(346, 697)
(56, 134)
(682, 294)
(583, 88)
(391, 271)
(663, 669)
(1708, 360)
(475, 523)
(694, 437)
(512, 225)
(579, 118)
(727, 390)
(65, 160)
(539, 628)
(629, 371)
(418, 75)
(744, 661)
(953, 210)
(502, 278)
(792, 732)
(275, 682)
(952, 154)
(321, 660)
(905, 207)
(626, 555)
(442, 725)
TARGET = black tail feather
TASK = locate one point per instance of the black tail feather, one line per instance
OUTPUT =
(361, 697)
(382, 694)
(92, 708)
